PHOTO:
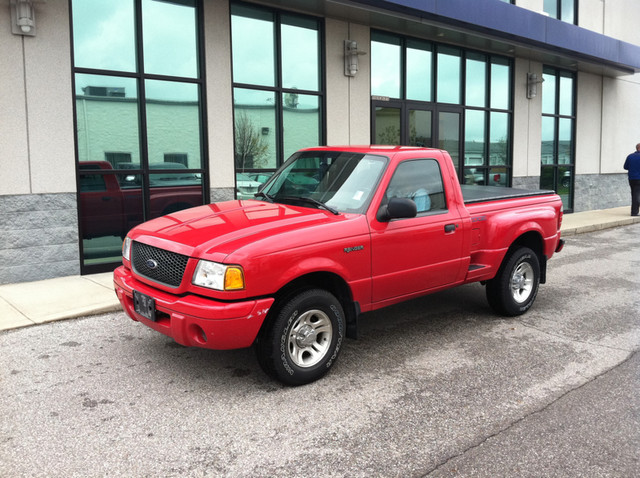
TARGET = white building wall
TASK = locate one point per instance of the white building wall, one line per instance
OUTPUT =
(14, 166)
(527, 125)
(37, 121)
(348, 98)
(217, 38)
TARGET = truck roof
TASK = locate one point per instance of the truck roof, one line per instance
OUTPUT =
(372, 148)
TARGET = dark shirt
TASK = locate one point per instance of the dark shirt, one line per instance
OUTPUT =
(632, 164)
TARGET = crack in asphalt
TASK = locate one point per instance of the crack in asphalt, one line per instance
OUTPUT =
(571, 339)
(511, 425)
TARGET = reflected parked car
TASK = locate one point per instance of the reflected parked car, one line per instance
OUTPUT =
(246, 187)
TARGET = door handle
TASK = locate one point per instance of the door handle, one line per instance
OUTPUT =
(450, 227)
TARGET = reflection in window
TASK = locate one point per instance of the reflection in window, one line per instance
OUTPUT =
(387, 125)
(116, 114)
(104, 34)
(479, 85)
(173, 120)
(99, 99)
(500, 81)
(255, 129)
(498, 140)
(420, 128)
(301, 121)
(385, 65)
(561, 10)
(474, 146)
(419, 68)
(253, 39)
(170, 40)
(276, 111)
(449, 71)
(558, 125)
(300, 53)
(476, 74)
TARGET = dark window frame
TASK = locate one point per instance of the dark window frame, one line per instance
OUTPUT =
(557, 116)
(141, 77)
(461, 107)
(278, 90)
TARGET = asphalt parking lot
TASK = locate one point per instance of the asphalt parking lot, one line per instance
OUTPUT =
(439, 386)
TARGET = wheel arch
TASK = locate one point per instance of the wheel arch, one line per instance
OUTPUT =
(534, 241)
(330, 282)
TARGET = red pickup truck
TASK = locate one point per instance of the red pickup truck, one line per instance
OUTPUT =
(334, 233)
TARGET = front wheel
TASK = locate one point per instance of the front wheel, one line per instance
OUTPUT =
(304, 338)
(514, 289)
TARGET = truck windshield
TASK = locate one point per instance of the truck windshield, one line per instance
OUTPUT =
(342, 181)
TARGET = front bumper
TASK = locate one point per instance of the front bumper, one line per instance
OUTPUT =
(193, 320)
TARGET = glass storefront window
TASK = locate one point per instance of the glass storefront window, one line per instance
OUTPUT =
(173, 121)
(565, 140)
(139, 139)
(548, 94)
(419, 60)
(474, 138)
(300, 49)
(253, 40)
(255, 129)
(104, 34)
(498, 138)
(548, 137)
(558, 125)
(277, 95)
(500, 91)
(420, 128)
(170, 42)
(476, 85)
(387, 126)
(99, 98)
(566, 96)
(386, 66)
(449, 75)
(301, 121)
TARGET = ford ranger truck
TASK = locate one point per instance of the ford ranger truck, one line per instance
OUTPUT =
(336, 232)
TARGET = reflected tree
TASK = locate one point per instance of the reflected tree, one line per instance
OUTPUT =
(251, 147)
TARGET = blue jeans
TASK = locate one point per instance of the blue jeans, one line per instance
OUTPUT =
(635, 196)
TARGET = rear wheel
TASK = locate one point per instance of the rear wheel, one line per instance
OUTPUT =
(515, 287)
(303, 340)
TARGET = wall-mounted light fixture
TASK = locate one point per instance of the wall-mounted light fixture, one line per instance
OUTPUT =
(532, 84)
(351, 54)
(23, 18)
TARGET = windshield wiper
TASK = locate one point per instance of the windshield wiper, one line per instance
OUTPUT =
(315, 202)
(263, 195)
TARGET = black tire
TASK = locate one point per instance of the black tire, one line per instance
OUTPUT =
(515, 286)
(302, 340)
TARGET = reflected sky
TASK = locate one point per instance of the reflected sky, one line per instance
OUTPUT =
(104, 36)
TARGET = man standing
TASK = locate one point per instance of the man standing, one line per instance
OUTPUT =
(632, 165)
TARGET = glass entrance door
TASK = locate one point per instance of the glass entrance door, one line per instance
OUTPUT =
(402, 123)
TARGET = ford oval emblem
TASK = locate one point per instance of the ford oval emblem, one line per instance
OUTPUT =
(152, 264)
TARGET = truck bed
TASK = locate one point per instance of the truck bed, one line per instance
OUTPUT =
(477, 194)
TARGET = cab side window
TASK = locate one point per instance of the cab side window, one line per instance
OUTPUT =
(421, 181)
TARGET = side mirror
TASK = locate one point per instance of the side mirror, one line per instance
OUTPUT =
(397, 208)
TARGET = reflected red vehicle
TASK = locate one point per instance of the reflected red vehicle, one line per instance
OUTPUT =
(111, 203)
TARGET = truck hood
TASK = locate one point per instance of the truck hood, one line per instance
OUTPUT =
(217, 230)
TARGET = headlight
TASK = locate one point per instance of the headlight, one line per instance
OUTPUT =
(213, 275)
(126, 248)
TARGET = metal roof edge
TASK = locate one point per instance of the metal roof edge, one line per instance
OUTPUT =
(516, 24)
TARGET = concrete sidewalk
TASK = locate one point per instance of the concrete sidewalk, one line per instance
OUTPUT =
(32, 303)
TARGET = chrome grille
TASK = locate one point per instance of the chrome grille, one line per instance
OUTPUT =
(157, 264)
